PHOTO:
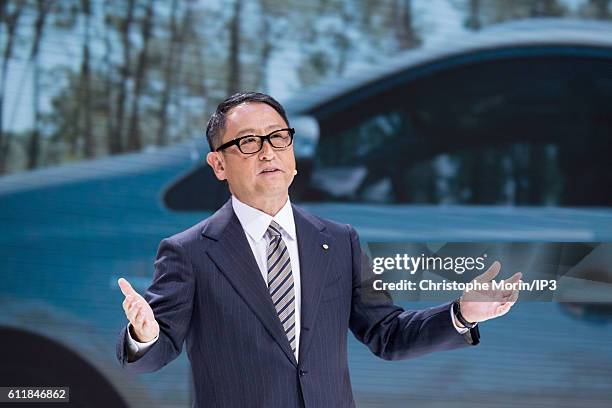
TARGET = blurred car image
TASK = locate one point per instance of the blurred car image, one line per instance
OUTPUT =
(505, 138)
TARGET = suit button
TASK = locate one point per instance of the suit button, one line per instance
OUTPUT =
(303, 373)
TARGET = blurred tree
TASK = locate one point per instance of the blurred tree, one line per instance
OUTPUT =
(599, 9)
(124, 25)
(479, 14)
(403, 24)
(273, 25)
(10, 13)
(171, 64)
(134, 139)
(472, 20)
(113, 141)
(233, 60)
(336, 32)
(85, 82)
(42, 11)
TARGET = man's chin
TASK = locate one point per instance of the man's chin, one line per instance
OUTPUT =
(272, 189)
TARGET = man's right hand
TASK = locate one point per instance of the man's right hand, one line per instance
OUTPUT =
(139, 313)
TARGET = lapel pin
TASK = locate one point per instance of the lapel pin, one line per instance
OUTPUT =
(325, 246)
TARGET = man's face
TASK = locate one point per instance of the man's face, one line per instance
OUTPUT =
(264, 175)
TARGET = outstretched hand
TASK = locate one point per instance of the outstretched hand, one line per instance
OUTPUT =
(481, 305)
(139, 313)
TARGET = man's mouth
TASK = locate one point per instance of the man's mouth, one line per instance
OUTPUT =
(269, 171)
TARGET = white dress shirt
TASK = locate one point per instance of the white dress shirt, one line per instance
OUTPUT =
(255, 224)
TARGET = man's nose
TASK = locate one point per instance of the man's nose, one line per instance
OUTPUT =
(267, 151)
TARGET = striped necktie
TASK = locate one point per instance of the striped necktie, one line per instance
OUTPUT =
(280, 281)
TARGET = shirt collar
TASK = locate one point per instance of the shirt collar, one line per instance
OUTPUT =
(256, 222)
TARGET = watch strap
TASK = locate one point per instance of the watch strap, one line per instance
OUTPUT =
(459, 316)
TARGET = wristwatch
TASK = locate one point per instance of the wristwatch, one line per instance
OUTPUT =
(459, 316)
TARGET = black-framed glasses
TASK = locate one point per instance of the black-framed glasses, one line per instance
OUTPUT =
(250, 144)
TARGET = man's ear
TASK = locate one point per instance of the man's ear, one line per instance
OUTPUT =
(215, 160)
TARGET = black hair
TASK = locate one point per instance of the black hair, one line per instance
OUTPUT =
(216, 123)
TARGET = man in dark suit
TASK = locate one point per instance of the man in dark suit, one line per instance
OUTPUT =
(263, 293)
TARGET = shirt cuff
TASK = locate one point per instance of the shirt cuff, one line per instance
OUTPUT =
(460, 330)
(137, 348)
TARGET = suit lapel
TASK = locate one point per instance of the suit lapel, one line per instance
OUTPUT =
(233, 255)
(314, 263)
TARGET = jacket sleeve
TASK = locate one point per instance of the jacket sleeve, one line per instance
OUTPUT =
(171, 298)
(391, 332)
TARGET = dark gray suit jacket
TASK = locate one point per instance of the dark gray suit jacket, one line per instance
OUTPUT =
(208, 292)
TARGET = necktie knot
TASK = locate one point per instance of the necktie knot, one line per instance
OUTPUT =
(274, 230)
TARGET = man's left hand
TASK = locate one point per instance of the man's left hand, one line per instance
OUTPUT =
(481, 305)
